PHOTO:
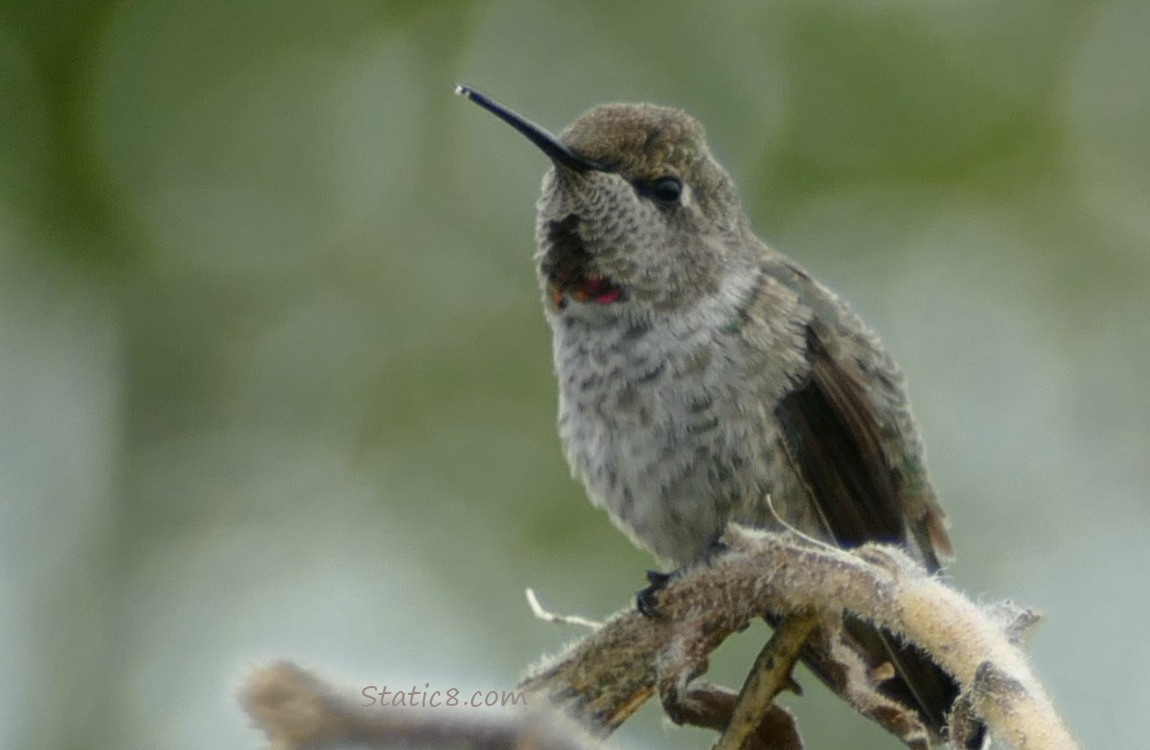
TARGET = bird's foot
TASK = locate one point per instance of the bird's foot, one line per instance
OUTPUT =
(645, 599)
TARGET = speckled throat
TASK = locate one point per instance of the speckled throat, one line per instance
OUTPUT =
(566, 266)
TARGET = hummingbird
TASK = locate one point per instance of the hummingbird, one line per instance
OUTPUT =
(704, 377)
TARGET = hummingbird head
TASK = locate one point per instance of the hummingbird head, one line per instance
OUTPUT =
(635, 212)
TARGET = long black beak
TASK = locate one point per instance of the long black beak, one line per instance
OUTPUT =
(544, 139)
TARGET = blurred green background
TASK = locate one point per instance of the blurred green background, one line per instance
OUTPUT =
(274, 381)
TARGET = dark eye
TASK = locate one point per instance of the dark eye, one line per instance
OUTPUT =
(665, 190)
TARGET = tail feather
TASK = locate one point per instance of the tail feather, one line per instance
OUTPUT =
(918, 681)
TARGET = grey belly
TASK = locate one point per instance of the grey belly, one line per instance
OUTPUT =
(671, 471)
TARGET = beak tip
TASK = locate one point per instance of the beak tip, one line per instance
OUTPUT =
(550, 144)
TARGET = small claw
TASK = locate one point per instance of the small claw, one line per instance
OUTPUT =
(645, 600)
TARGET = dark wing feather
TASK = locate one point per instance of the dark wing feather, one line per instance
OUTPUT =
(849, 433)
(833, 434)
